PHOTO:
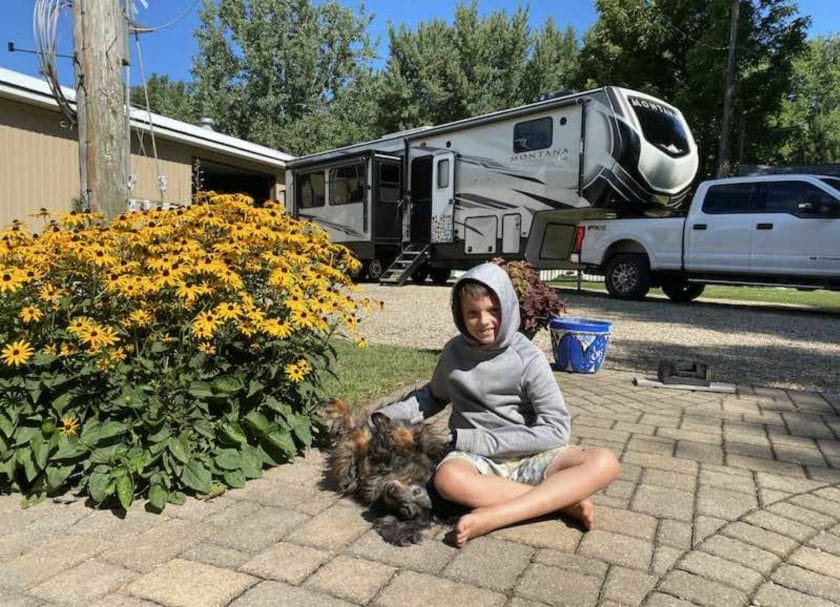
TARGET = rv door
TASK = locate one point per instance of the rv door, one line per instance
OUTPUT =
(443, 196)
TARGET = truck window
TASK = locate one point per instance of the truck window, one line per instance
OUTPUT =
(796, 198)
(311, 190)
(728, 198)
(443, 173)
(661, 126)
(347, 184)
(532, 135)
(832, 181)
(389, 182)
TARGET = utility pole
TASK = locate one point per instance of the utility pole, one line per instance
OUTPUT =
(101, 51)
(724, 166)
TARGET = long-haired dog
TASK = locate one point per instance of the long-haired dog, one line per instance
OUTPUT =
(387, 466)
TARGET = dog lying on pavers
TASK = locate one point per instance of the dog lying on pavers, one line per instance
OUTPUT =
(387, 466)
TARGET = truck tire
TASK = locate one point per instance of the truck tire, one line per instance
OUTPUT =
(440, 276)
(420, 274)
(627, 276)
(682, 290)
(375, 269)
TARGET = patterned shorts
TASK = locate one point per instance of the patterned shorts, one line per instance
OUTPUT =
(527, 470)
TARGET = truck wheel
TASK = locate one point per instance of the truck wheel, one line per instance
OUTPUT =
(681, 290)
(375, 269)
(627, 276)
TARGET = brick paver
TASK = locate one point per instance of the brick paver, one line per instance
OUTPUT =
(722, 500)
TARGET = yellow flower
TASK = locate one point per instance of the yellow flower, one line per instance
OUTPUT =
(302, 319)
(50, 294)
(52, 350)
(362, 343)
(17, 353)
(141, 318)
(79, 325)
(42, 212)
(69, 426)
(294, 373)
(96, 337)
(10, 280)
(190, 292)
(206, 348)
(226, 311)
(275, 328)
(204, 325)
(67, 350)
(31, 314)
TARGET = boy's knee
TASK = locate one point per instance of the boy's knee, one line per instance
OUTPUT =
(607, 460)
(447, 480)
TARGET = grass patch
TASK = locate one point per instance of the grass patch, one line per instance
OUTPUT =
(781, 295)
(364, 374)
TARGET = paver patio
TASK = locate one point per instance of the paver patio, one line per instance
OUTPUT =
(722, 500)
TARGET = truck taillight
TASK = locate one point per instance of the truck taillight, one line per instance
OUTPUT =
(580, 232)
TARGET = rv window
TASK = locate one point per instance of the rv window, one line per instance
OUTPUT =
(733, 198)
(532, 135)
(443, 173)
(311, 190)
(661, 126)
(347, 184)
(389, 182)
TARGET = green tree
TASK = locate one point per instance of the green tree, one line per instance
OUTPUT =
(291, 74)
(166, 97)
(677, 50)
(440, 72)
(809, 119)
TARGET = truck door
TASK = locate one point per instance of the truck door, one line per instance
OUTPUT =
(796, 230)
(718, 234)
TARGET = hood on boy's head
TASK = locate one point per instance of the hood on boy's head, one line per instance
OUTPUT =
(497, 280)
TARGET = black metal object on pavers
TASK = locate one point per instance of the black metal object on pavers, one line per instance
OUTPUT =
(677, 371)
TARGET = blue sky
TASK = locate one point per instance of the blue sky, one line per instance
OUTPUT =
(169, 51)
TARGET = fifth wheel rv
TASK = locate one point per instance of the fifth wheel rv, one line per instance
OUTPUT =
(511, 184)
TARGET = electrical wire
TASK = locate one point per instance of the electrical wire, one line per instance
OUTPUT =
(142, 29)
(44, 28)
(161, 183)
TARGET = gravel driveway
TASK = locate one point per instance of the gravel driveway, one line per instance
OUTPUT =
(776, 346)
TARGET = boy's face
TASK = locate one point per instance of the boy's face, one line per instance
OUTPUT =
(482, 317)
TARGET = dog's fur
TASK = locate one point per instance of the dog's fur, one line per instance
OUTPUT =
(387, 466)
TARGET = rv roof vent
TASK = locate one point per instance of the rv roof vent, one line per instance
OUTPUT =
(555, 94)
(206, 123)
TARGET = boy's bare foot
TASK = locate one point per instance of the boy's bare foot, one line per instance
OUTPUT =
(472, 525)
(583, 511)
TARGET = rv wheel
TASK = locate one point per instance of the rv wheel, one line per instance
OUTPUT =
(375, 269)
(420, 274)
(439, 275)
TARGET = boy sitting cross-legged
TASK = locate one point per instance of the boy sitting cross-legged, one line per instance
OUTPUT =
(511, 460)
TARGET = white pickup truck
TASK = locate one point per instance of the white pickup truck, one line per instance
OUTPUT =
(780, 230)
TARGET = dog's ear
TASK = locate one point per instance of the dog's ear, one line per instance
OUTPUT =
(380, 420)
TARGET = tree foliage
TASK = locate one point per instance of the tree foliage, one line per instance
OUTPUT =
(809, 118)
(440, 72)
(166, 97)
(677, 50)
(291, 74)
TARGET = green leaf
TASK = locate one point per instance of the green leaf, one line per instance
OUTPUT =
(204, 428)
(233, 432)
(200, 389)
(234, 478)
(125, 489)
(95, 432)
(229, 459)
(280, 407)
(196, 477)
(68, 449)
(24, 458)
(253, 388)
(225, 385)
(251, 463)
(158, 496)
(282, 440)
(61, 401)
(301, 425)
(176, 497)
(40, 451)
(100, 486)
(158, 347)
(160, 435)
(178, 447)
(257, 422)
(57, 475)
(6, 426)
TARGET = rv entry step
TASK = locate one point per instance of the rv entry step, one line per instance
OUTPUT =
(412, 257)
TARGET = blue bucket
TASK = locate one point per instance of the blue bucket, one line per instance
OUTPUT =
(579, 344)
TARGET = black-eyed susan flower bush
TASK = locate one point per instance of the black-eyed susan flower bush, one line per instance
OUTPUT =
(164, 352)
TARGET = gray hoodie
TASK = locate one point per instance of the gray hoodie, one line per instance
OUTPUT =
(505, 400)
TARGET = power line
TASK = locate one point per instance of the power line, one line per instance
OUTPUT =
(44, 30)
(142, 29)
